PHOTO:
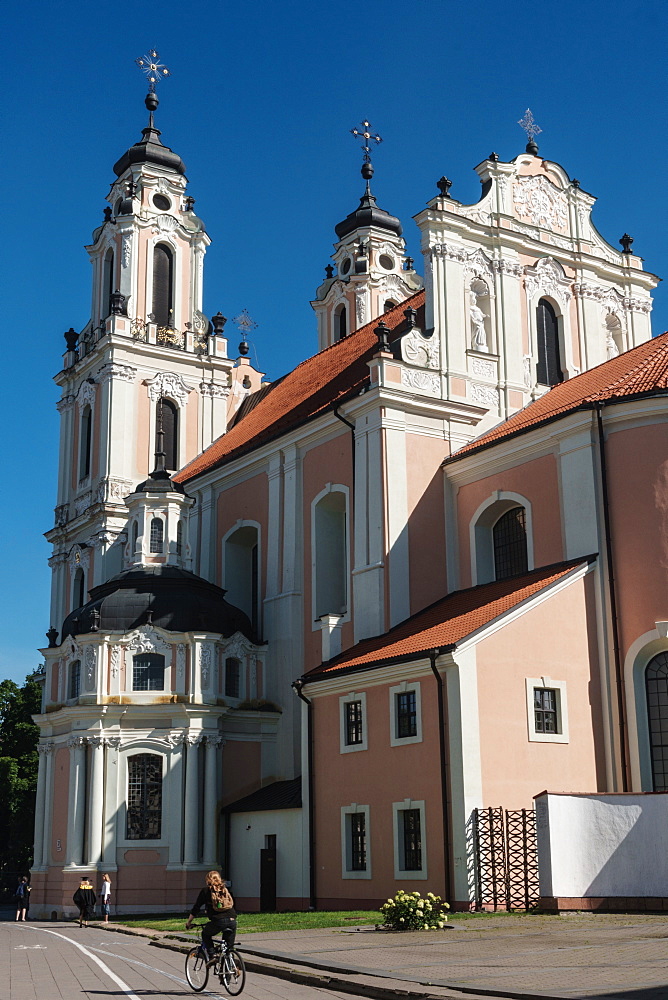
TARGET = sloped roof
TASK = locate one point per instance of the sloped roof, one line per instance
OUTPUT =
(641, 371)
(277, 795)
(447, 622)
(313, 387)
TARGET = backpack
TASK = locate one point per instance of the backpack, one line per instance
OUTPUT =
(226, 903)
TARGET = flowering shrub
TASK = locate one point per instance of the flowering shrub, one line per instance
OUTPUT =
(408, 911)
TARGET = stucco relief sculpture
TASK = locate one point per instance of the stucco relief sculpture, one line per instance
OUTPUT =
(416, 349)
(421, 381)
(539, 201)
(147, 640)
(170, 385)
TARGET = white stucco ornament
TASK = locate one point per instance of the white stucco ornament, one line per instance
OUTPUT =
(147, 640)
(537, 200)
(416, 349)
(170, 385)
(547, 277)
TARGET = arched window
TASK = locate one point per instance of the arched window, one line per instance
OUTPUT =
(148, 672)
(656, 687)
(510, 544)
(548, 364)
(330, 555)
(74, 686)
(179, 538)
(232, 677)
(135, 536)
(242, 572)
(144, 803)
(157, 535)
(85, 442)
(389, 305)
(163, 284)
(340, 323)
(107, 283)
(167, 412)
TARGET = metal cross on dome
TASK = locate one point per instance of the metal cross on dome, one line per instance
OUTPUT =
(150, 64)
(245, 323)
(529, 125)
(365, 133)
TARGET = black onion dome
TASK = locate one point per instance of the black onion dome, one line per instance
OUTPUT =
(368, 213)
(150, 149)
(171, 598)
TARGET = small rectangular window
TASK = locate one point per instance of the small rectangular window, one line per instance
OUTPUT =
(412, 853)
(355, 842)
(232, 678)
(545, 710)
(406, 714)
(354, 723)
(75, 679)
(148, 672)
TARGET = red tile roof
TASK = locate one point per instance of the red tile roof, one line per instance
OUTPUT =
(640, 371)
(447, 622)
(313, 387)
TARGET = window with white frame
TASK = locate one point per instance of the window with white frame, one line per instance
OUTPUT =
(148, 672)
(501, 538)
(330, 553)
(410, 851)
(547, 710)
(144, 797)
(405, 714)
(353, 727)
(157, 536)
(355, 841)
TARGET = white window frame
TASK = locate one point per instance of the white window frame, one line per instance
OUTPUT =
(345, 617)
(481, 533)
(405, 686)
(121, 827)
(403, 874)
(241, 660)
(344, 700)
(561, 736)
(346, 842)
(244, 523)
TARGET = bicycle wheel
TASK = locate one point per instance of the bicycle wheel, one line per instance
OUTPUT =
(233, 972)
(197, 971)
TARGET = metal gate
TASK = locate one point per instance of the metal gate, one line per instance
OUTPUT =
(505, 859)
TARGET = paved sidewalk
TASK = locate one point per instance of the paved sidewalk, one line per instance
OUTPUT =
(571, 956)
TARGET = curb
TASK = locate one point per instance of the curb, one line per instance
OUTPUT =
(293, 971)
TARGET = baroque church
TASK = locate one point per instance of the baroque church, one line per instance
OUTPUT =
(301, 630)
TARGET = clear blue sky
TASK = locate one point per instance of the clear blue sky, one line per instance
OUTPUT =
(259, 105)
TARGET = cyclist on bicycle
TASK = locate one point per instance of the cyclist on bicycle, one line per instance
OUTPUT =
(219, 908)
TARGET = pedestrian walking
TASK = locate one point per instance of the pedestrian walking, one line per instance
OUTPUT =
(105, 897)
(22, 897)
(85, 899)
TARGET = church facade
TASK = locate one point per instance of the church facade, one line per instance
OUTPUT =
(301, 630)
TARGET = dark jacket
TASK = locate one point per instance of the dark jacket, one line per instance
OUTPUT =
(212, 912)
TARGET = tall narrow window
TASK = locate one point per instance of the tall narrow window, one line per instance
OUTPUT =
(232, 677)
(358, 842)
(144, 807)
(157, 535)
(354, 723)
(167, 413)
(510, 544)
(79, 596)
(148, 672)
(86, 442)
(163, 284)
(406, 714)
(107, 283)
(340, 324)
(412, 840)
(75, 679)
(656, 687)
(331, 563)
(548, 364)
(179, 539)
(545, 710)
(242, 572)
(135, 536)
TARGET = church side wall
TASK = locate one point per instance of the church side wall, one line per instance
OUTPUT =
(426, 519)
(554, 641)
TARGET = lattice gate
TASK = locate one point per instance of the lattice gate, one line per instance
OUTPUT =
(505, 859)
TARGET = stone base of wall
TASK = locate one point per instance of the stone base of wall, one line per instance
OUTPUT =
(605, 904)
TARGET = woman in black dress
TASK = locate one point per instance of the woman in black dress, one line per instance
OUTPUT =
(85, 899)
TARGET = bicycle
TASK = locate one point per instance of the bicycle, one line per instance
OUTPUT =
(225, 962)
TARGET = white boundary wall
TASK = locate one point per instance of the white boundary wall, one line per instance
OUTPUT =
(602, 845)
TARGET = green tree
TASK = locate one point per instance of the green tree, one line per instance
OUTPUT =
(18, 772)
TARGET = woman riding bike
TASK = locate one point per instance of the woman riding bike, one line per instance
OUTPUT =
(219, 908)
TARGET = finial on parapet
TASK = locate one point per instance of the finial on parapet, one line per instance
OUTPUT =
(383, 335)
(531, 129)
(52, 636)
(444, 184)
(626, 242)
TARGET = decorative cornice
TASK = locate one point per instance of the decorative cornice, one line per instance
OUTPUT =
(65, 403)
(126, 373)
(111, 490)
(86, 394)
(214, 389)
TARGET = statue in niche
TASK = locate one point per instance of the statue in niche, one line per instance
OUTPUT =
(611, 347)
(613, 335)
(478, 332)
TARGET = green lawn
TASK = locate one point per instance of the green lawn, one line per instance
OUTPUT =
(250, 922)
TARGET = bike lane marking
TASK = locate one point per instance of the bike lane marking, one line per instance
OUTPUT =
(168, 975)
(105, 968)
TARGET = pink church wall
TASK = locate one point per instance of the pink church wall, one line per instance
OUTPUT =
(61, 782)
(537, 481)
(242, 770)
(538, 645)
(376, 777)
(143, 426)
(638, 482)
(426, 519)
(330, 462)
(249, 501)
